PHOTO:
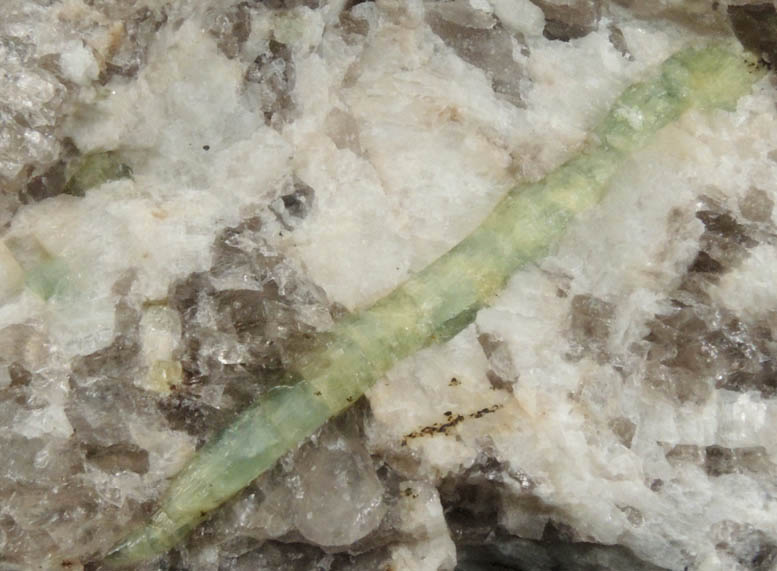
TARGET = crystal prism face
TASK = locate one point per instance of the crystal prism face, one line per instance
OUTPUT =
(192, 192)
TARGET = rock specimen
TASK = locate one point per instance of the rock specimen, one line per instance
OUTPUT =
(293, 162)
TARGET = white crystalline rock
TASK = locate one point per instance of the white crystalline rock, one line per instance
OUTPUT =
(379, 258)
(175, 107)
(422, 519)
(32, 90)
(744, 420)
(757, 275)
(520, 15)
(574, 84)
(78, 64)
(407, 147)
(428, 378)
(162, 223)
(160, 333)
(11, 274)
(409, 112)
(639, 255)
(168, 451)
(49, 421)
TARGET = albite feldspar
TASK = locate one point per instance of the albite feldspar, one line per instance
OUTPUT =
(438, 302)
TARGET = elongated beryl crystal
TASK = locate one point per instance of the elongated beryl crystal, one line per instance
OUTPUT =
(438, 302)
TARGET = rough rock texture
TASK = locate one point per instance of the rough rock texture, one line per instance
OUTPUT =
(190, 190)
(52, 53)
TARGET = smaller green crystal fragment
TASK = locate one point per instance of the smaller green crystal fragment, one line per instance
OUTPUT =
(47, 278)
(94, 169)
(163, 375)
(44, 274)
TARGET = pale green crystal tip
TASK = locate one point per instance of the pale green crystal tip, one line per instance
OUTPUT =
(156, 537)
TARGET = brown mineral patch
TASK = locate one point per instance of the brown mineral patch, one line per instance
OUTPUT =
(451, 420)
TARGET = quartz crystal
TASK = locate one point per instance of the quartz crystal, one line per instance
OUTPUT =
(190, 191)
